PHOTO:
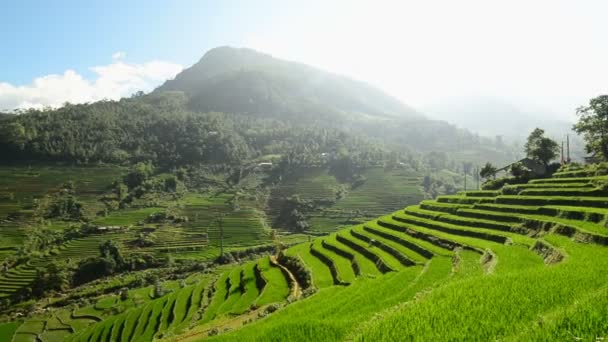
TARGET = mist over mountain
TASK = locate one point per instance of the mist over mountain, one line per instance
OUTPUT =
(259, 104)
(491, 117)
(246, 81)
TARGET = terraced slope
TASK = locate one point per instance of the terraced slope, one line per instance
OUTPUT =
(72, 251)
(468, 251)
(479, 265)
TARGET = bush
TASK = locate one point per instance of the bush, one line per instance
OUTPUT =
(601, 169)
(511, 190)
(496, 184)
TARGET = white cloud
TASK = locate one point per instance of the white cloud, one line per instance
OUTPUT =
(112, 81)
(118, 55)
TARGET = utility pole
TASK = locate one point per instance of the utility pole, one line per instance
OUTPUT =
(477, 176)
(464, 169)
(568, 148)
(220, 222)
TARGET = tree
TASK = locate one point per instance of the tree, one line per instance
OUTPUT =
(138, 174)
(518, 170)
(488, 171)
(53, 277)
(540, 148)
(593, 124)
(111, 250)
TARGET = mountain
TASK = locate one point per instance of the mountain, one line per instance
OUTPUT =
(494, 116)
(244, 81)
(236, 105)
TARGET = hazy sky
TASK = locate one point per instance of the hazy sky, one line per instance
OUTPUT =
(545, 57)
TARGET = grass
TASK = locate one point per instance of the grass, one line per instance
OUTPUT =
(465, 267)
(321, 274)
(383, 191)
(126, 217)
(410, 254)
(534, 297)
(277, 287)
(248, 283)
(7, 330)
(367, 267)
(333, 313)
(343, 265)
(242, 228)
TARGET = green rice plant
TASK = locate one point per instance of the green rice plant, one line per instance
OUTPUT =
(277, 286)
(596, 202)
(573, 192)
(384, 247)
(464, 199)
(370, 252)
(154, 320)
(167, 316)
(333, 313)
(479, 193)
(234, 291)
(333, 269)
(343, 264)
(535, 298)
(445, 244)
(7, 330)
(574, 174)
(364, 266)
(564, 180)
(400, 247)
(451, 229)
(595, 215)
(131, 322)
(184, 301)
(321, 275)
(248, 288)
(442, 206)
(457, 220)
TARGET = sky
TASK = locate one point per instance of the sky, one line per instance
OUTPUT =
(542, 57)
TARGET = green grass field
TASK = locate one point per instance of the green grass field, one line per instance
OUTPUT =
(473, 266)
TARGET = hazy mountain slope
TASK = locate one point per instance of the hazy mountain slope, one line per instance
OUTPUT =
(246, 81)
(492, 116)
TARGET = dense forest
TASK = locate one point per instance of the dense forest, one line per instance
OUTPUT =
(236, 106)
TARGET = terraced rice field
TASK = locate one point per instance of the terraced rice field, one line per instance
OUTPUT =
(462, 267)
(467, 252)
(19, 185)
(383, 191)
(71, 251)
(172, 313)
(242, 227)
(234, 292)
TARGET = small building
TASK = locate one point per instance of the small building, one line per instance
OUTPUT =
(593, 159)
(264, 165)
(536, 167)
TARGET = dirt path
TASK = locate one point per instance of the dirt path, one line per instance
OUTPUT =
(230, 324)
(237, 322)
(296, 290)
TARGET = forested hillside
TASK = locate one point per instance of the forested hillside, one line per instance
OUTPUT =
(233, 106)
(157, 196)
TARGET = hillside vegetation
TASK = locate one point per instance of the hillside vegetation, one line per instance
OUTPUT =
(517, 267)
(233, 107)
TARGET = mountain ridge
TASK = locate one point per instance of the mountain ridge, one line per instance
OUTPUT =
(268, 85)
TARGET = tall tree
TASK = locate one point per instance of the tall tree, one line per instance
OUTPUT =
(593, 124)
(540, 148)
(488, 171)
